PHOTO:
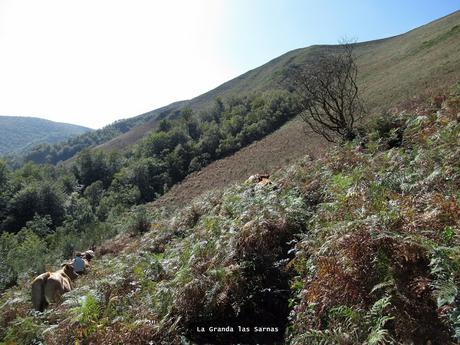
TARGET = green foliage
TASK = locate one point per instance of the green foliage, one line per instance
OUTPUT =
(40, 225)
(42, 198)
(60, 150)
(96, 166)
(89, 313)
(138, 221)
(150, 176)
(94, 193)
(386, 130)
(194, 140)
(27, 257)
(79, 213)
(376, 320)
(352, 326)
(444, 265)
(22, 331)
(7, 273)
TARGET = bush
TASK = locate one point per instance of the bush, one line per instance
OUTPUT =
(388, 130)
(7, 274)
(29, 255)
(138, 221)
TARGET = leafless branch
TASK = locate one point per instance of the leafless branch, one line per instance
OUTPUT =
(329, 94)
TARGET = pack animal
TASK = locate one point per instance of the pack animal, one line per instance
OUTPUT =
(49, 287)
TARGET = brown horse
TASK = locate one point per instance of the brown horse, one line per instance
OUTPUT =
(50, 286)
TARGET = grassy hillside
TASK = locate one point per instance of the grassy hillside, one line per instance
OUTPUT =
(19, 134)
(359, 246)
(391, 70)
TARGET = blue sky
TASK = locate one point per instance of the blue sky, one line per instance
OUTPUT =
(262, 29)
(91, 62)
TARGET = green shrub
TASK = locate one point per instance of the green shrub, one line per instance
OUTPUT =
(29, 255)
(138, 221)
(22, 331)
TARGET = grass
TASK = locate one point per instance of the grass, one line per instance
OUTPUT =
(390, 74)
(392, 70)
(360, 245)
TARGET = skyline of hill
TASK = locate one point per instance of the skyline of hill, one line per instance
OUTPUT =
(390, 70)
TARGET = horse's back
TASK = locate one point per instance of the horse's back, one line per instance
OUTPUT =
(38, 291)
(56, 285)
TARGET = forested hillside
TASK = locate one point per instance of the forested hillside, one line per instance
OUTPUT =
(63, 150)
(19, 134)
(177, 148)
(359, 246)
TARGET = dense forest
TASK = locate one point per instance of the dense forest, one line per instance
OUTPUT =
(53, 209)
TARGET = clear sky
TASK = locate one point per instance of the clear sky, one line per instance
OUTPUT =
(91, 62)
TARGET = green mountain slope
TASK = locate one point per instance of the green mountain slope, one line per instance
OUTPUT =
(360, 246)
(19, 134)
(391, 70)
(64, 150)
(351, 244)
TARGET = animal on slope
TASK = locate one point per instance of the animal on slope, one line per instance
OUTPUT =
(49, 287)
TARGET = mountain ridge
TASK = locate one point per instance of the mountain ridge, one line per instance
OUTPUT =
(261, 78)
(382, 82)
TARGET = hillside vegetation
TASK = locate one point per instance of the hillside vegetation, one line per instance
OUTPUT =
(284, 146)
(19, 134)
(66, 149)
(361, 246)
(391, 70)
(353, 244)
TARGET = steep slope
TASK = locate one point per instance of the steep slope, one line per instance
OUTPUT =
(391, 70)
(18, 134)
(359, 246)
(285, 145)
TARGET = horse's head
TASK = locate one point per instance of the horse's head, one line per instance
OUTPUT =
(69, 271)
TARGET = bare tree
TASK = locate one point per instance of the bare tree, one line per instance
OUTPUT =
(329, 94)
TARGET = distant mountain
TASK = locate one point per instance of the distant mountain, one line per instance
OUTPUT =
(18, 134)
